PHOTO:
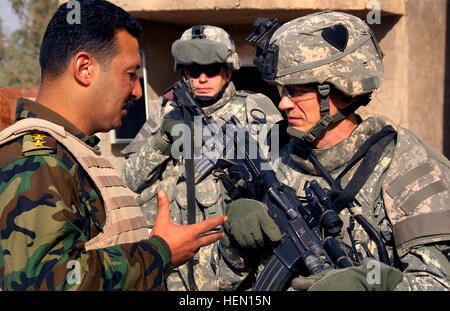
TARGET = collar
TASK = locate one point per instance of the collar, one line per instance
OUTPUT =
(336, 157)
(30, 109)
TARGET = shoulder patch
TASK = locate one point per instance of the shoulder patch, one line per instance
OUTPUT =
(38, 143)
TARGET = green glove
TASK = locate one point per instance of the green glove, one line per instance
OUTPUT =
(248, 223)
(371, 276)
(166, 130)
(163, 139)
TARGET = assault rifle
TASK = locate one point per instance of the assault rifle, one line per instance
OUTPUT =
(207, 162)
(303, 244)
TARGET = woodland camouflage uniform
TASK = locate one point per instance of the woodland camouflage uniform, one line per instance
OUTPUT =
(49, 209)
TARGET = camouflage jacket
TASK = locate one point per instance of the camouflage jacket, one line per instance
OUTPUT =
(410, 215)
(150, 169)
(49, 209)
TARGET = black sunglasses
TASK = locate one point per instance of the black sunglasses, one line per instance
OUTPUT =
(210, 70)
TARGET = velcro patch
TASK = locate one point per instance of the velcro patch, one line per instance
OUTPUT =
(38, 141)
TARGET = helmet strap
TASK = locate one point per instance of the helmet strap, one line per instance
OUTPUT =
(318, 129)
(324, 92)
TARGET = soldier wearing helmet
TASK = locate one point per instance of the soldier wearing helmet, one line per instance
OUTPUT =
(326, 65)
(205, 56)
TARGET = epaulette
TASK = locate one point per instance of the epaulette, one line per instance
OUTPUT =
(38, 144)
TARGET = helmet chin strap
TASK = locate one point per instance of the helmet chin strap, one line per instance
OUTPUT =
(326, 119)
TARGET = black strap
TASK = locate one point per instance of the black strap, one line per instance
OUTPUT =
(371, 151)
(197, 32)
(190, 184)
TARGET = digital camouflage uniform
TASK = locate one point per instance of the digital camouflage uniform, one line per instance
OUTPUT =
(152, 166)
(423, 256)
(406, 197)
(149, 170)
(49, 209)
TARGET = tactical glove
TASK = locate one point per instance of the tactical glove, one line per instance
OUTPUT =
(164, 139)
(370, 276)
(248, 224)
(166, 130)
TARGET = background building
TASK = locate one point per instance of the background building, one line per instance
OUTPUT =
(413, 35)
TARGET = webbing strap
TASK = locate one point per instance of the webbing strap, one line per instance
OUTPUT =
(190, 188)
(426, 225)
(110, 181)
(418, 197)
(400, 183)
(97, 162)
(370, 152)
(120, 201)
(126, 225)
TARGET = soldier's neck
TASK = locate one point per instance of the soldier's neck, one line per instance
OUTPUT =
(337, 133)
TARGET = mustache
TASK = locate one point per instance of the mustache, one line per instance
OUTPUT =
(129, 103)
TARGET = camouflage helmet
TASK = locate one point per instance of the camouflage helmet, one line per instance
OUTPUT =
(328, 47)
(205, 44)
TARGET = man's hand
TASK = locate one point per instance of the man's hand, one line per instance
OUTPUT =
(184, 241)
(249, 224)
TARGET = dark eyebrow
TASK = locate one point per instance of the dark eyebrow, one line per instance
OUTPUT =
(137, 67)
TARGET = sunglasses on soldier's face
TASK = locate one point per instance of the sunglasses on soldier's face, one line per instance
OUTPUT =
(210, 70)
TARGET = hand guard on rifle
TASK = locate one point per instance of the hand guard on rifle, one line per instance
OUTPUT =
(249, 226)
(371, 275)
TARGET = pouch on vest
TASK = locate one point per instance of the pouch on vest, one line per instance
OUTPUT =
(208, 193)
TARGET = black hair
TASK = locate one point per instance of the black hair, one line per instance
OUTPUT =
(93, 32)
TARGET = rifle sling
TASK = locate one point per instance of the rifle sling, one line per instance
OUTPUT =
(370, 152)
(190, 184)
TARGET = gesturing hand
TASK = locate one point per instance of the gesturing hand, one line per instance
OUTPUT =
(184, 241)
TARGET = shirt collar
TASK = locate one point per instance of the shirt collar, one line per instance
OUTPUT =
(30, 109)
(336, 157)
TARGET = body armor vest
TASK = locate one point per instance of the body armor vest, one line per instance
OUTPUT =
(125, 222)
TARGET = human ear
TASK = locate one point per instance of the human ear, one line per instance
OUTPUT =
(229, 71)
(83, 68)
(340, 100)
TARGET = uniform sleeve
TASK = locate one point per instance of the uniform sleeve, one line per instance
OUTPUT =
(44, 227)
(426, 268)
(144, 167)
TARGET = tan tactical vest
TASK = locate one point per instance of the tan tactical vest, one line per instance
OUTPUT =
(125, 222)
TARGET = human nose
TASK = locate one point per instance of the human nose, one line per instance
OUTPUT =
(285, 103)
(203, 77)
(137, 89)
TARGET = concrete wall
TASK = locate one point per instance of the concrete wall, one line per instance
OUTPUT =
(426, 58)
(412, 34)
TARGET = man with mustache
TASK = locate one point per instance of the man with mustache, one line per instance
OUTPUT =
(67, 220)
